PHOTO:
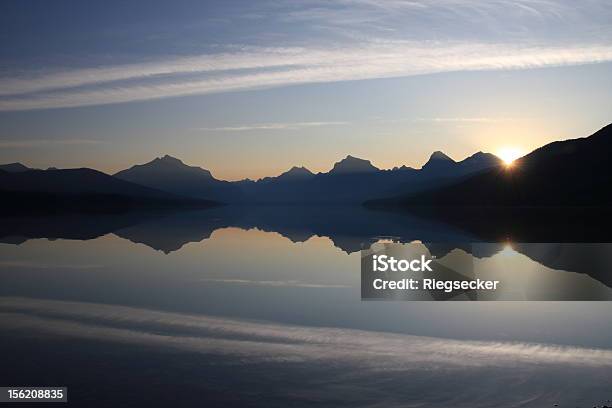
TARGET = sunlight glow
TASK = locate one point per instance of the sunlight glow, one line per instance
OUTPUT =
(507, 250)
(508, 155)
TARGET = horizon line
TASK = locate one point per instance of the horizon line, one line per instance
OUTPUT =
(502, 159)
(394, 168)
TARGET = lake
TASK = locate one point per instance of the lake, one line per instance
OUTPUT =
(261, 306)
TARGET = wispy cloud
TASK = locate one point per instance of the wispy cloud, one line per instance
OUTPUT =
(317, 66)
(273, 126)
(247, 58)
(360, 39)
(462, 120)
(32, 143)
(40, 265)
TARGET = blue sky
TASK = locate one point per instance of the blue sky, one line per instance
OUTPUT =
(248, 89)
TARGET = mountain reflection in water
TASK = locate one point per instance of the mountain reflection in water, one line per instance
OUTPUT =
(348, 227)
(260, 306)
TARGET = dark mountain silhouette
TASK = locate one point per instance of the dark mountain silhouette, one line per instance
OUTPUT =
(74, 181)
(440, 165)
(293, 174)
(438, 161)
(172, 175)
(354, 180)
(573, 172)
(351, 180)
(14, 167)
(353, 165)
(296, 173)
(79, 189)
(477, 162)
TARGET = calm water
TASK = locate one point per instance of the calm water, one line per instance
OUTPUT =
(261, 307)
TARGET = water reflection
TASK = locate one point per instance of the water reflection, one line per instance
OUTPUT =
(296, 365)
(516, 275)
(348, 227)
(261, 307)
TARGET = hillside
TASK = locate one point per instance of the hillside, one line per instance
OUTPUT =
(80, 190)
(172, 175)
(572, 172)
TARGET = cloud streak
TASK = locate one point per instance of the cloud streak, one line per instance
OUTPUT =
(276, 68)
(465, 120)
(39, 265)
(273, 126)
(346, 40)
(33, 143)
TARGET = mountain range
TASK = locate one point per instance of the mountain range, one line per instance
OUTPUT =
(348, 228)
(353, 180)
(80, 189)
(569, 173)
(565, 173)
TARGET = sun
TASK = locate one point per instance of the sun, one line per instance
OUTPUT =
(508, 155)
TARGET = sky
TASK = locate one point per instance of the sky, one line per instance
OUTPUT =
(252, 88)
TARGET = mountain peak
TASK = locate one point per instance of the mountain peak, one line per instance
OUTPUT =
(163, 167)
(438, 161)
(167, 159)
(352, 164)
(438, 155)
(14, 167)
(482, 157)
(296, 173)
(169, 162)
(299, 171)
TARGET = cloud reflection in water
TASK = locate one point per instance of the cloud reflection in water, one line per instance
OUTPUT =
(395, 369)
